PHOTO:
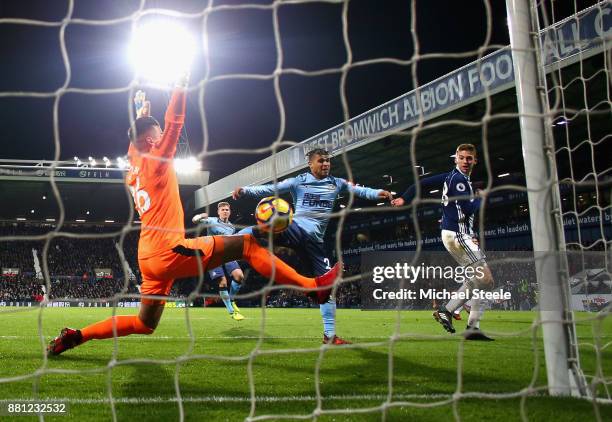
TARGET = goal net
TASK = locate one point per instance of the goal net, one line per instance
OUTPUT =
(537, 110)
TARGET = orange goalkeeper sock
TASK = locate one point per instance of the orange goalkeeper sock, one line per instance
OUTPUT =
(263, 262)
(126, 325)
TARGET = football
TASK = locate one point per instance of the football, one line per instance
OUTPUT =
(273, 214)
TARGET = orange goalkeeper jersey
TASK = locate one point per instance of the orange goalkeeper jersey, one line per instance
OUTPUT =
(152, 181)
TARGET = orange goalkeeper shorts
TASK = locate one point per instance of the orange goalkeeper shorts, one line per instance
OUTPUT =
(160, 271)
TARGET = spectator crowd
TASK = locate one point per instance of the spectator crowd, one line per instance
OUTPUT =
(75, 261)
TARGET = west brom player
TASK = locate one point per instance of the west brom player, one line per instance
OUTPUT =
(407, 197)
(314, 195)
(459, 238)
(222, 226)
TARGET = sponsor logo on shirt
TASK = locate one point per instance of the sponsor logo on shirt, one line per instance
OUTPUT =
(313, 200)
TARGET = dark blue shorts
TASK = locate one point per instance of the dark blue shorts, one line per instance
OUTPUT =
(310, 252)
(224, 270)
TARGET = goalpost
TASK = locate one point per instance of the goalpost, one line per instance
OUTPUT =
(559, 332)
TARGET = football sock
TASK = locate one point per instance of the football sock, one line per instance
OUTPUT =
(476, 313)
(454, 304)
(126, 325)
(328, 312)
(226, 300)
(234, 288)
(263, 262)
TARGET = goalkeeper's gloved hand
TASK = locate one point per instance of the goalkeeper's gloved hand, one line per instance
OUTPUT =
(143, 107)
(183, 80)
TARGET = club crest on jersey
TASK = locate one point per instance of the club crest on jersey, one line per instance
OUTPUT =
(460, 187)
(330, 187)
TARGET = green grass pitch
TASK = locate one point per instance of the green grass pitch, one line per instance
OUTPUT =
(212, 371)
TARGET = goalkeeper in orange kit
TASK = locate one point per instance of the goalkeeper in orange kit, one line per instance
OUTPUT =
(164, 254)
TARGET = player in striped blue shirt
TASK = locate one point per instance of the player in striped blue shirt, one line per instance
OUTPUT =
(230, 270)
(460, 203)
(314, 194)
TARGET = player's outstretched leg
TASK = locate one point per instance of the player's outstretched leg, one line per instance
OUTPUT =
(264, 262)
(67, 339)
(124, 325)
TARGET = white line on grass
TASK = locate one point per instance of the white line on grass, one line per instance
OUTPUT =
(233, 399)
(275, 399)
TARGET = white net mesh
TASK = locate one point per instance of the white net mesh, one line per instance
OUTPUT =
(383, 374)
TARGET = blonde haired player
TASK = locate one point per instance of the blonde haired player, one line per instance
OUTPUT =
(221, 225)
(459, 238)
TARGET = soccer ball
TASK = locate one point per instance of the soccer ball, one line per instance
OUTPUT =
(273, 214)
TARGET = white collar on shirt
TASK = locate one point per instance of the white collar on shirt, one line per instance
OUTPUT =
(459, 170)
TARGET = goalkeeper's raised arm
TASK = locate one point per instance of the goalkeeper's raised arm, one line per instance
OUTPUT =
(148, 136)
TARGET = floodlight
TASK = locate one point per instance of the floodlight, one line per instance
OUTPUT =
(161, 50)
(186, 165)
(121, 163)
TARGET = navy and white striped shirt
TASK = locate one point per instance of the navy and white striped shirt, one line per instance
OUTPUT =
(458, 214)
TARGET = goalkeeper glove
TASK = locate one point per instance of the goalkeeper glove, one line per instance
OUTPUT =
(143, 107)
(183, 79)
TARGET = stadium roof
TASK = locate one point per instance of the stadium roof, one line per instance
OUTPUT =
(379, 140)
(390, 156)
(370, 162)
(90, 201)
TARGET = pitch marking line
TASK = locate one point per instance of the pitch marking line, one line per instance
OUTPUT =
(233, 399)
